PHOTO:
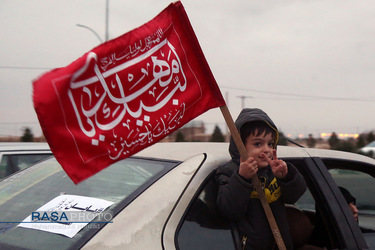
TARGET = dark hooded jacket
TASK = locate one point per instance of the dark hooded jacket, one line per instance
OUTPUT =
(237, 199)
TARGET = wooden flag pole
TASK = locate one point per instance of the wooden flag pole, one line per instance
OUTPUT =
(255, 180)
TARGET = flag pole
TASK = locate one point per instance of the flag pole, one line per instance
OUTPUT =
(255, 180)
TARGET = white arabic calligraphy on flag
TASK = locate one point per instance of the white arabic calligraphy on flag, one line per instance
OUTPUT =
(103, 102)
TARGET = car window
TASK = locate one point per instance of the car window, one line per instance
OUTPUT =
(306, 201)
(204, 227)
(14, 162)
(19, 197)
(353, 176)
(361, 186)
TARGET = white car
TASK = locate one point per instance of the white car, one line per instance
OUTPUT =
(369, 149)
(15, 156)
(164, 198)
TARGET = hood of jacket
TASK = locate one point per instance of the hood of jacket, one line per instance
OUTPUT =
(250, 115)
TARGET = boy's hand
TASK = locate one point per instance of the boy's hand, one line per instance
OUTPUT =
(248, 168)
(279, 168)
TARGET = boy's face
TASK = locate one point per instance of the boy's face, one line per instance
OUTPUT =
(257, 145)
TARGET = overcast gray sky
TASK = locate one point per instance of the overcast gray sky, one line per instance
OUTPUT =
(310, 64)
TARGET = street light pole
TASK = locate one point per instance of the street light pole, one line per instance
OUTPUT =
(93, 31)
(106, 24)
(106, 19)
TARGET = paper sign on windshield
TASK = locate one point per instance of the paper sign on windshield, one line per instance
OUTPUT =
(68, 214)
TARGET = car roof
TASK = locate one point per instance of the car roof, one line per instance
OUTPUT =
(23, 146)
(181, 151)
(335, 154)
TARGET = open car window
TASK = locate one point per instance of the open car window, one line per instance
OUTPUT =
(204, 227)
(361, 185)
(353, 176)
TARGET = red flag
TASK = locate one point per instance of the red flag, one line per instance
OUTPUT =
(125, 94)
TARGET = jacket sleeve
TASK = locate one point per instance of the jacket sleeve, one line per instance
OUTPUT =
(293, 186)
(233, 192)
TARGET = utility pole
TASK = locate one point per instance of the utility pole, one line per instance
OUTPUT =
(243, 100)
(227, 135)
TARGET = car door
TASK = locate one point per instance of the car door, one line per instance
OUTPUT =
(359, 179)
(195, 222)
(327, 203)
(202, 226)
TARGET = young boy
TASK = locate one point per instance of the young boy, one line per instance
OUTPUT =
(237, 198)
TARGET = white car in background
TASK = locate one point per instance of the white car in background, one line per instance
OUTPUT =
(164, 198)
(369, 149)
(15, 156)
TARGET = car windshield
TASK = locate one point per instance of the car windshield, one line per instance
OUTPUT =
(25, 192)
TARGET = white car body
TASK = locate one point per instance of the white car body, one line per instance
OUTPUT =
(161, 220)
(369, 148)
(158, 216)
